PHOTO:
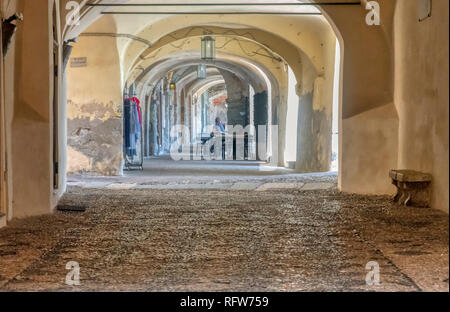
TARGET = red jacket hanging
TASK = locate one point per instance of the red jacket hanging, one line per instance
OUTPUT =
(136, 100)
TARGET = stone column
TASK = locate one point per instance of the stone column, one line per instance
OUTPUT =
(172, 108)
(282, 128)
(203, 112)
(314, 136)
(237, 109)
(207, 112)
(154, 146)
(261, 119)
(31, 132)
(192, 117)
(178, 108)
(167, 122)
(146, 125)
(237, 99)
(163, 121)
(187, 116)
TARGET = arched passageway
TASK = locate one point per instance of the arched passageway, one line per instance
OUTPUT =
(127, 45)
(249, 61)
(94, 91)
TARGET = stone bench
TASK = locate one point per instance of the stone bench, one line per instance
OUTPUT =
(413, 187)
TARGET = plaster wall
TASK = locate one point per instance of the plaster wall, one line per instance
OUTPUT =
(94, 107)
(29, 105)
(367, 83)
(3, 175)
(291, 119)
(371, 145)
(315, 111)
(8, 109)
(422, 93)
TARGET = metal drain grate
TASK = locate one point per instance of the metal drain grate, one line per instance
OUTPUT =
(71, 208)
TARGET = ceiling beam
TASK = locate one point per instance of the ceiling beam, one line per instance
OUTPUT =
(210, 13)
(259, 5)
(219, 4)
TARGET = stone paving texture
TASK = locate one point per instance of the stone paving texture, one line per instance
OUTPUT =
(227, 240)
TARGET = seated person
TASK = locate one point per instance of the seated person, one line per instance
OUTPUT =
(219, 127)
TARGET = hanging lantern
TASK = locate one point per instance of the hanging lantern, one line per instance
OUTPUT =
(172, 87)
(208, 48)
(201, 71)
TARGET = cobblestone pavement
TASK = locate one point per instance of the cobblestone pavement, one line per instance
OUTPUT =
(287, 234)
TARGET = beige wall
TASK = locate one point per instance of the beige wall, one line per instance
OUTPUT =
(94, 106)
(8, 98)
(366, 84)
(422, 93)
(369, 150)
(28, 107)
(3, 182)
(30, 158)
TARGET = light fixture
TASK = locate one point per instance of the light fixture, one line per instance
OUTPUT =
(208, 48)
(201, 71)
(172, 87)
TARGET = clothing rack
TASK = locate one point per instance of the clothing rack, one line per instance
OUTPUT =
(133, 134)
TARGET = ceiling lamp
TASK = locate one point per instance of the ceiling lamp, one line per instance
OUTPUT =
(172, 88)
(201, 71)
(208, 48)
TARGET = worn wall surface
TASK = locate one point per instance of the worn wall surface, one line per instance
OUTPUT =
(29, 116)
(422, 93)
(7, 102)
(237, 99)
(3, 175)
(367, 83)
(371, 143)
(315, 114)
(94, 107)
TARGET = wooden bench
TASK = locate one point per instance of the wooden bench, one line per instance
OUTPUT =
(413, 187)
